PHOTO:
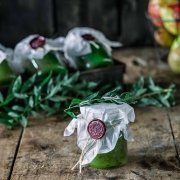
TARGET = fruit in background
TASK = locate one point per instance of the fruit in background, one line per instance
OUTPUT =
(167, 2)
(170, 14)
(163, 38)
(154, 13)
(174, 56)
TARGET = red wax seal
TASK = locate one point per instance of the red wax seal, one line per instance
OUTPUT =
(96, 129)
(37, 42)
(88, 37)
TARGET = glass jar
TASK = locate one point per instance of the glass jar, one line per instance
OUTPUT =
(49, 63)
(113, 159)
(97, 58)
(6, 74)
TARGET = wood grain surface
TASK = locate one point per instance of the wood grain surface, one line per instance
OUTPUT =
(45, 154)
(9, 140)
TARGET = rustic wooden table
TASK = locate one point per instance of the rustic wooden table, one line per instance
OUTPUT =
(41, 152)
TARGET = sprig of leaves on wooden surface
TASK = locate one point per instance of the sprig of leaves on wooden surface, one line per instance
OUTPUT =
(40, 92)
(143, 93)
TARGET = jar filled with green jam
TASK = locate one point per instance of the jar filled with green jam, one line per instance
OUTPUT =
(113, 159)
(97, 58)
(6, 74)
(48, 63)
(102, 134)
(50, 60)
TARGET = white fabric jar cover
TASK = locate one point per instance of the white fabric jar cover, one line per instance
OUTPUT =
(23, 51)
(75, 45)
(116, 118)
(5, 54)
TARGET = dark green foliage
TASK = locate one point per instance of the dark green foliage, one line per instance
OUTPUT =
(48, 93)
(40, 93)
(142, 94)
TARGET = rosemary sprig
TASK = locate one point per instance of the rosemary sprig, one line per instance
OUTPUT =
(142, 94)
(47, 93)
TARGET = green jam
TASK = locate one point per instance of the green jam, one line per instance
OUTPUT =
(6, 73)
(97, 58)
(113, 159)
(47, 64)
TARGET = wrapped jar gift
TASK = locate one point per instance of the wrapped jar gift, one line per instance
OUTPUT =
(37, 53)
(102, 134)
(6, 73)
(87, 48)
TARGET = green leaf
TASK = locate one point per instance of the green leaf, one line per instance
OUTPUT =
(13, 114)
(58, 98)
(31, 102)
(152, 86)
(53, 92)
(23, 121)
(7, 122)
(1, 98)
(92, 85)
(139, 84)
(92, 96)
(164, 101)
(71, 114)
(75, 101)
(113, 92)
(18, 108)
(20, 96)
(46, 80)
(126, 97)
(17, 84)
(150, 102)
(28, 84)
(47, 109)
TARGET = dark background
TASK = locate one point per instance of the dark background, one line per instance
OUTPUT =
(122, 20)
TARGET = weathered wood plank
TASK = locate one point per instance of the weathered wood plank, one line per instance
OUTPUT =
(133, 24)
(67, 15)
(143, 61)
(103, 15)
(45, 154)
(8, 143)
(20, 18)
(174, 114)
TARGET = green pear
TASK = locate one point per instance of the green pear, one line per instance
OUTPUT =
(174, 56)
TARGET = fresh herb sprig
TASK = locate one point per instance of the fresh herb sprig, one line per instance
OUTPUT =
(142, 94)
(40, 92)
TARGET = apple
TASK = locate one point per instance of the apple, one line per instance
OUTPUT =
(170, 14)
(167, 2)
(154, 13)
(174, 56)
(163, 38)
